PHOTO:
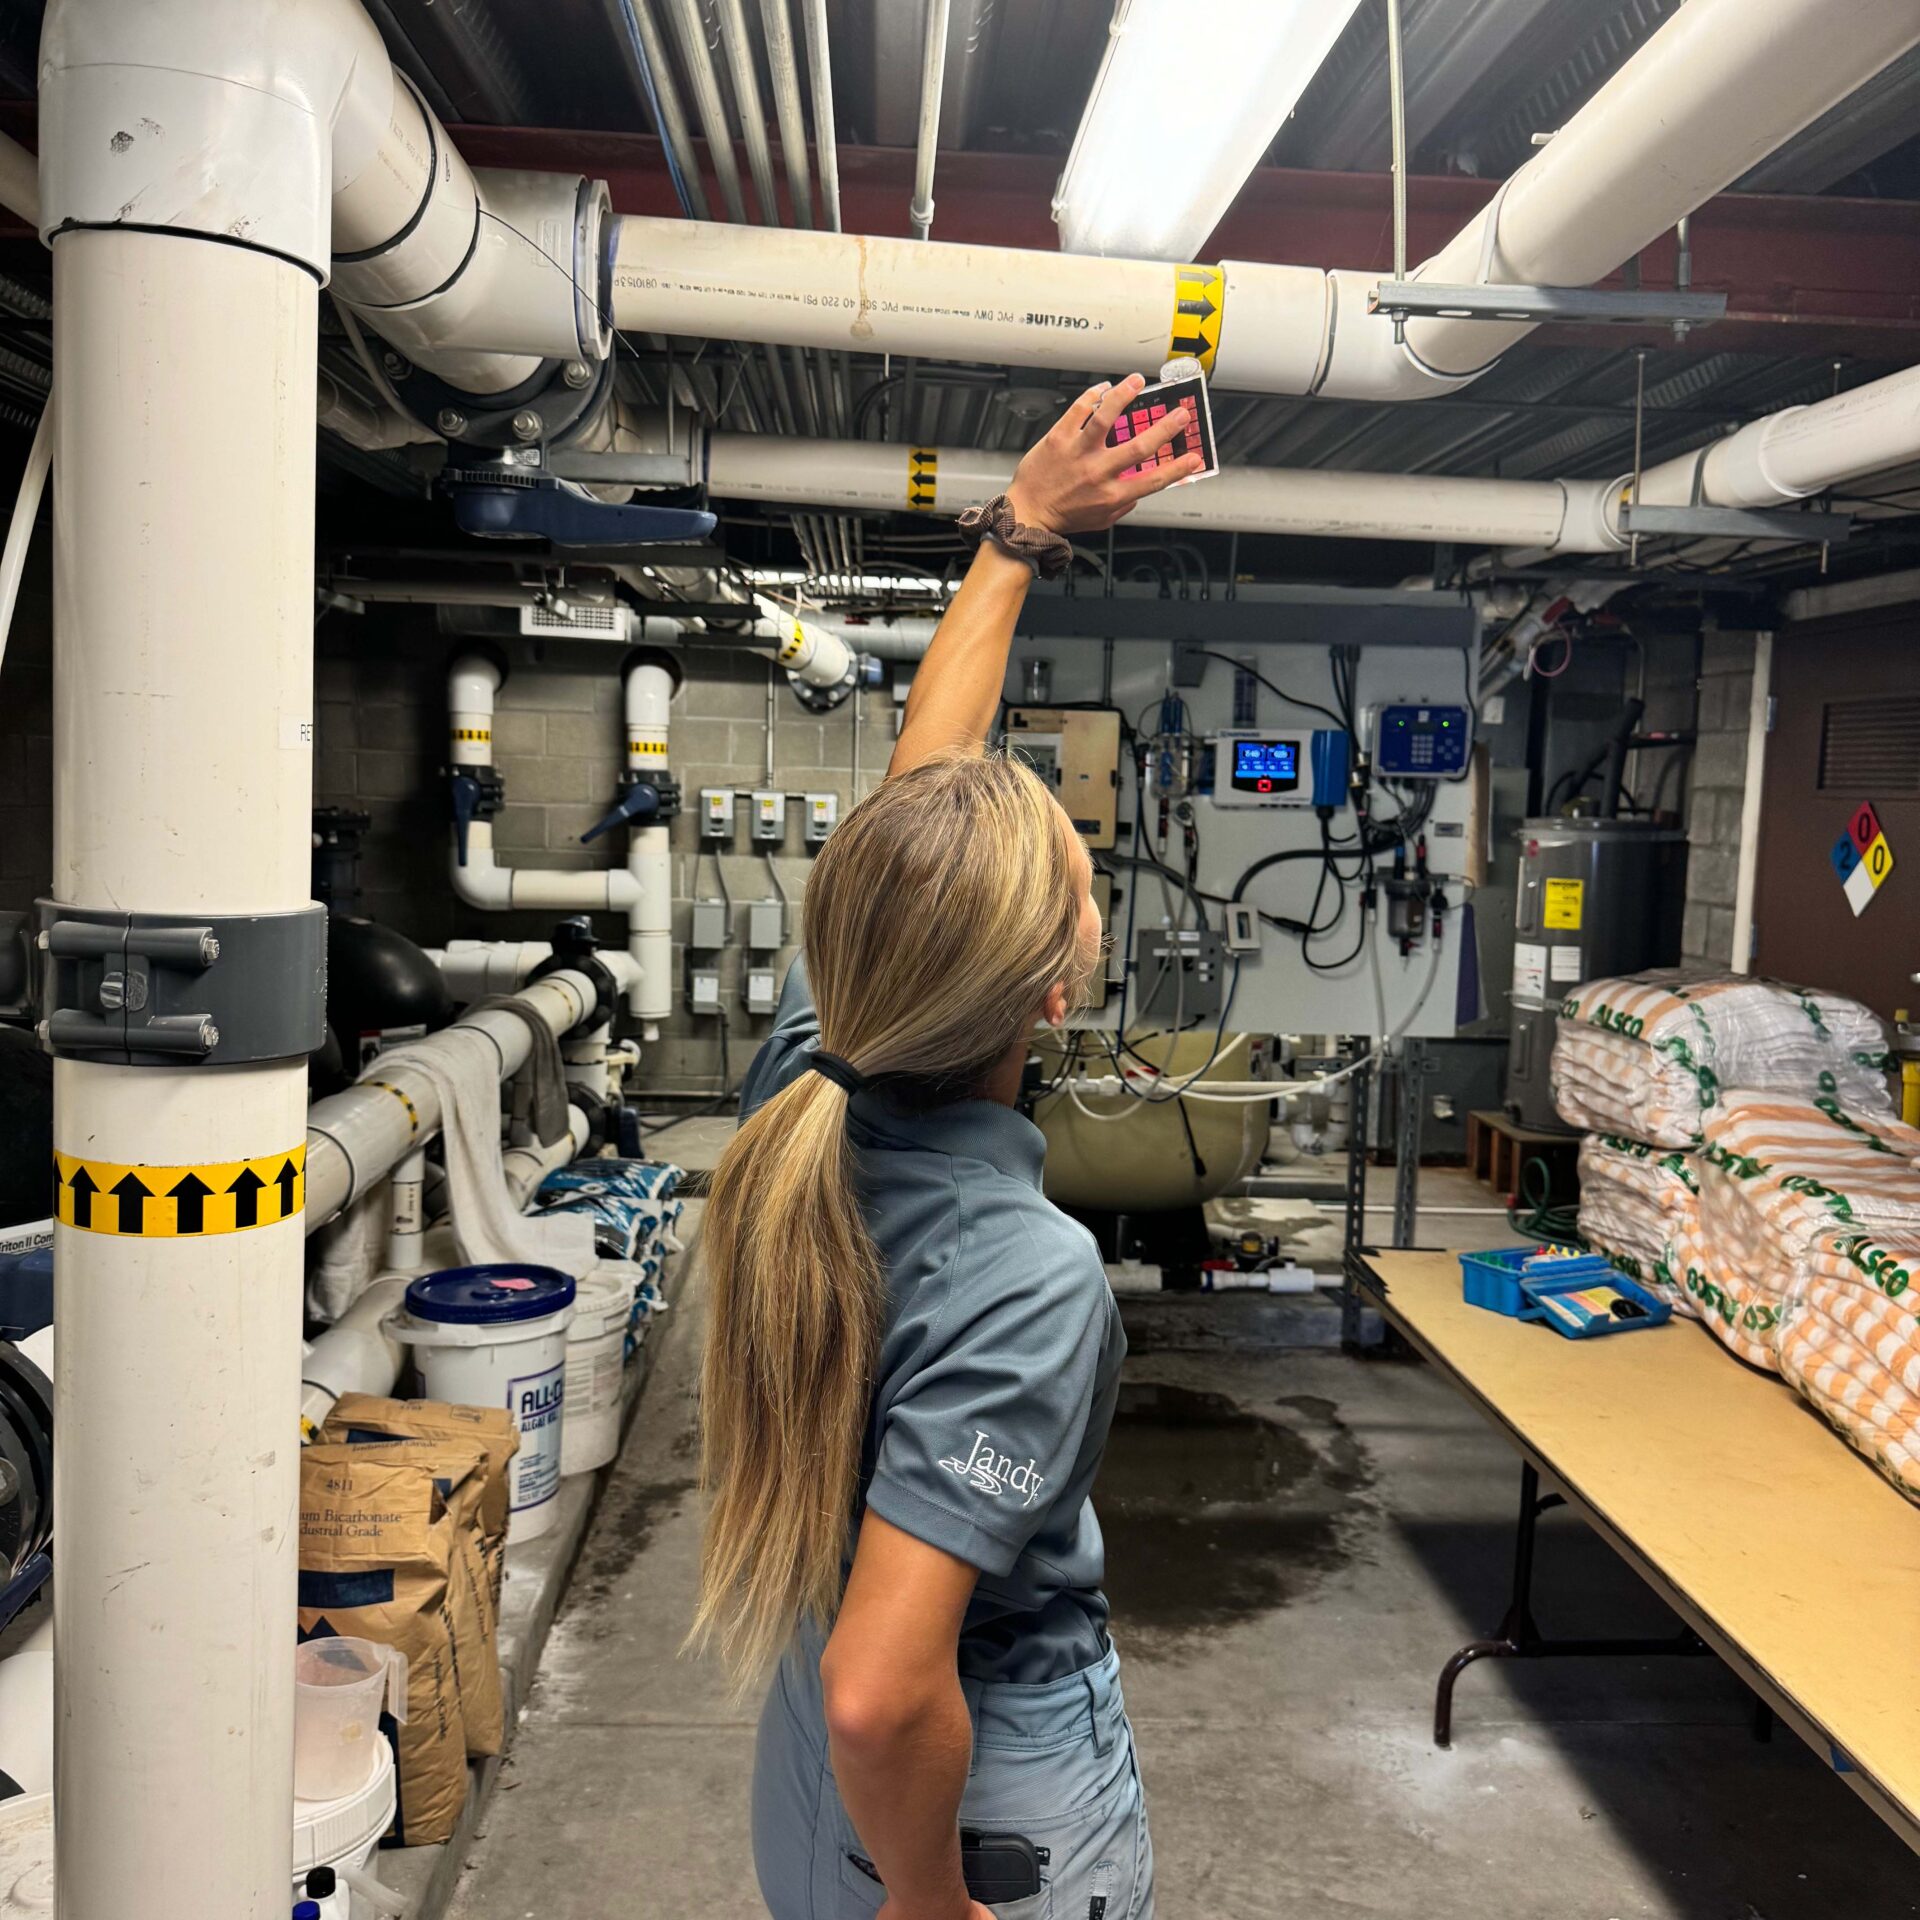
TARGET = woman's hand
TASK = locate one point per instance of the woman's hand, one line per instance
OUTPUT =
(1073, 482)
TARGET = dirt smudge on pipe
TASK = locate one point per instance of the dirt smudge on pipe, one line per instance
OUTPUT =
(862, 327)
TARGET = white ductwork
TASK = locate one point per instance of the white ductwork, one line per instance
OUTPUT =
(1720, 86)
(642, 889)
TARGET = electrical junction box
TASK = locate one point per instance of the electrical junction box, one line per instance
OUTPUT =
(1077, 753)
(1412, 741)
(769, 817)
(823, 814)
(1243, 927)
(1261, 770)
(766, 926)
(1177, 972)
(716, 815)
(760, 989)
(703, 990)
(709, 932)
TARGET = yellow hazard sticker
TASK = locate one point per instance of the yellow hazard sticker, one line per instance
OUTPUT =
(481, 734)
(1565, 900)
(646, 750)
(180, 1203)
(923, 478)
(413, 1112)
(790, 648)
(1199, 301)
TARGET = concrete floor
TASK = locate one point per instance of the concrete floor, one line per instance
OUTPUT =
(1297, 1541)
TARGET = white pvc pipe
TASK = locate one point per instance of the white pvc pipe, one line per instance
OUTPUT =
(184, 455)
(1720, 86)
(476, 969)
(649, 695)
(356, 1354)
(26, 510)
(867, 474)
(19, 181)
(356, 1137)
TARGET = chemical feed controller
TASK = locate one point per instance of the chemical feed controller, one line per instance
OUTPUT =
(1260, 770)
(1414, 742)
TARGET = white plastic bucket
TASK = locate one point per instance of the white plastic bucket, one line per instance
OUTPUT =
(26, 1858)
(596, 1371)
(343, 1833)
(496, 1336)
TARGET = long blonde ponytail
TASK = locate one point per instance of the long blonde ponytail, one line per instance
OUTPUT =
(937, 918)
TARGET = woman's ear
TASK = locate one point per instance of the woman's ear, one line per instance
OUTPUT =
(1053, 1009)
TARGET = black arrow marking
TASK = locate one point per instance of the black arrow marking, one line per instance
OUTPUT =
(133, 1194)
(286, 1179)
(246, 1198)
(1203, 306)
(1196, 344)
(190, 1203)
(84, 1188)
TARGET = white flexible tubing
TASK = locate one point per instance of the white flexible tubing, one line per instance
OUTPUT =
(26, 509)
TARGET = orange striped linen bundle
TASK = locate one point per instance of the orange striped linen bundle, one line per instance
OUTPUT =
(1649, 1055)
(1636, 1202)
(1854, 1355)
(1793, 1193)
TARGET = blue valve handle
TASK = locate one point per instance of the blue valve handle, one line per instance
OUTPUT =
(466, 803)
(635, 807)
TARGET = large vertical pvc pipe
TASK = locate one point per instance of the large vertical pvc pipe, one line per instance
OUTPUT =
(183, 540)
(649, 694)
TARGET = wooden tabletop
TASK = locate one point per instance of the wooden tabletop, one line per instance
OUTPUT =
(1782, 1547)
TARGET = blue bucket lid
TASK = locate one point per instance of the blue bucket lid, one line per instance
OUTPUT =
(490, 1295)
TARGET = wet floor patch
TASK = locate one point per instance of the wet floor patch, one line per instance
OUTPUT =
(629, 1511)
(1214, 1512)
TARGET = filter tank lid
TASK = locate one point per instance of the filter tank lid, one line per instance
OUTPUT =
(492, 1295)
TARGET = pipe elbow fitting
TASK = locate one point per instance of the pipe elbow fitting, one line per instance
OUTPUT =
(230, 119)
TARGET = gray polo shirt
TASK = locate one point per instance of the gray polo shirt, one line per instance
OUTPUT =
(998, 1368)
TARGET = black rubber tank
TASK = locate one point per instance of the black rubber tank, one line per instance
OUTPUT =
(379, 981)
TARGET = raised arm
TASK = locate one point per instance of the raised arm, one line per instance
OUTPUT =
(1070, 482)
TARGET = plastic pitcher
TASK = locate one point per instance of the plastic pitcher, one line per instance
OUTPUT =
(340, 1688)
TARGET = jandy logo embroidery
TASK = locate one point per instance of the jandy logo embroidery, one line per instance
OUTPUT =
(995, 1473)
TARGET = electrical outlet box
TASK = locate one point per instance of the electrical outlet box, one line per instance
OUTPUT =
(1243, 927)
(769, 818)
(703, 990)
(766, 925)
(709, 931)
(760, 989)
(823, 814)
(716, 815)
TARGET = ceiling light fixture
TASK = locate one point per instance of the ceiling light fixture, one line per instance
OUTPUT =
(1187, 101)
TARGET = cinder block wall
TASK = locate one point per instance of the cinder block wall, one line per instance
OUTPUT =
(558, 742)
(1717, 795)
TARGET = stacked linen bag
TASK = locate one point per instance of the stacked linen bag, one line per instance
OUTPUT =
(1649, 1056)
(1638, 1205)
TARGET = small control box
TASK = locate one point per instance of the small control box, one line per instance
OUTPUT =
(703, 990)
(708, 932)
(766, 925)
(760, 989)
(823, 814)
(769, 817)
(1260, 770)
(716, 816)
(1422, 741)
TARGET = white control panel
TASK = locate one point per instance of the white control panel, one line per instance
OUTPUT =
(1261, 770)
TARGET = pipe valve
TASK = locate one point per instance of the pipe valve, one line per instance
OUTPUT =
(478, 793)
(642, 803)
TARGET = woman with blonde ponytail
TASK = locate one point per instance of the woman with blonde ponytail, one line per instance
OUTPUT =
(913, 1357)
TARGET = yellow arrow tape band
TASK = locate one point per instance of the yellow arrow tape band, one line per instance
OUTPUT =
(923, 479)
(180, 1203)
(1199, 303)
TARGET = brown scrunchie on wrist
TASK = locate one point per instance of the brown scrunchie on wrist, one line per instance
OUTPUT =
(1048, 554)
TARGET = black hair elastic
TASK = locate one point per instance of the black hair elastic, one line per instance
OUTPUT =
(831, 1067)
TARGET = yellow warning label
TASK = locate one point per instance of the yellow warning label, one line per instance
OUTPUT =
(646, 750)
(1199, 301)
(482, 734)
(791, 646)
(923, 478)
(1565, 899)
(179, 1203)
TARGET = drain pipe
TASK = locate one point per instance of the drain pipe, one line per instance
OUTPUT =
(1720, 86)
(933, 81)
